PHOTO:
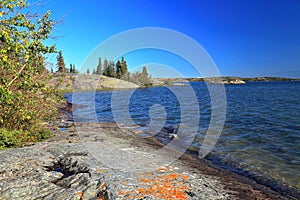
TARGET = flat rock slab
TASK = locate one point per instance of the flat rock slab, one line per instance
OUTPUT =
(103, 161)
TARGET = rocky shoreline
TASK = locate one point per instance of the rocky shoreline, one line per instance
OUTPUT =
(63, 168)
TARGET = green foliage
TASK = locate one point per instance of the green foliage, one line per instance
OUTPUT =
(99, 67)
(10, 139)
(122, 70)
(109, 70)
(118, 69)
(105, 65)
(61, 66)
(25, 99)
(145, 71)
(141, 78)
(71, 69)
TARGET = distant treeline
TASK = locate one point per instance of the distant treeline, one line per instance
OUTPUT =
(269, 79)
(120, 71)
(108, 68)
(254, 79)
(61, 66)
(227, 78)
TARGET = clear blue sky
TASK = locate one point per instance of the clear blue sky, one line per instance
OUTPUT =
(244, 38)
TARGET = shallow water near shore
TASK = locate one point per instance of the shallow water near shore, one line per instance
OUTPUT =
(261, 133)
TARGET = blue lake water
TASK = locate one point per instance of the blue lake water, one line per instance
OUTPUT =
(261, 132)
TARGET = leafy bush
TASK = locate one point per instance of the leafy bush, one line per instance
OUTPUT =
(25, 99)
(9, 139)
(141, 78)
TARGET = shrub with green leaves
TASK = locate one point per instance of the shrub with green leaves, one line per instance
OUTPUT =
(141, 78)
(26, 101)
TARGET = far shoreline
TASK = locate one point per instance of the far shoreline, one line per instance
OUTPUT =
(230, 78)
(85, 83)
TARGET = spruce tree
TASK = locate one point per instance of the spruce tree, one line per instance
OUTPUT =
(105, 65)
(105, 72)
(60, 62)
(121, 69)
(111, 69)
(124, 70)
(99, 67)
(145, 78)
(145, 72)
(118, 69)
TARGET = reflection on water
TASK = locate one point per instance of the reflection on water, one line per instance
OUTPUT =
(261, 134)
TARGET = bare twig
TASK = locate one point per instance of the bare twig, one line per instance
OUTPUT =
(33, 15)
(18, 74)
(37, 4)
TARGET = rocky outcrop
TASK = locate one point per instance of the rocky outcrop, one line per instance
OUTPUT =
(235, 82)
(63, 167)
(90, 82)
(225, 81)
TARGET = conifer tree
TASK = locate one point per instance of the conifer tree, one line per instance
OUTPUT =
(105, 71)
(145, 72)
(60, 62)
(124, 70)
(118, 69)
(121, 69)
(105, 65)
(110, 69)
(99, 67)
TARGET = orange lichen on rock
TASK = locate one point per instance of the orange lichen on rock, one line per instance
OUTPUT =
(80, 194)
(101, 170)
(161, 186)
(102, 186)
(163, 169)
